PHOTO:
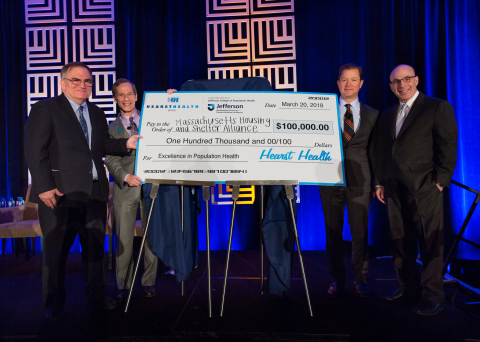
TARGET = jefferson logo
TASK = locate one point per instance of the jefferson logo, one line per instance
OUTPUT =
(211, 107)
(172, 99)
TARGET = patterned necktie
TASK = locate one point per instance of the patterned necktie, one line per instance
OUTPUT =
(83, 122)
(401, 117)
(348, 128)
(134, 127)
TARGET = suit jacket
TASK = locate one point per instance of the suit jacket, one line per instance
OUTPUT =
(120, 166)
(424, 151)
(58, 154)
(356, 154)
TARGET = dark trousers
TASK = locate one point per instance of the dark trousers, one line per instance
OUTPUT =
(59, 227)
(358, 205)
(416, 222)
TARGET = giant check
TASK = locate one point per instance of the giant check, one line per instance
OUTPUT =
(241, 136)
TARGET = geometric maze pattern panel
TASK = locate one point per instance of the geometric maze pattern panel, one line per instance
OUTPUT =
(227, 8)
(57, 41)
(94, 45)
(252, 38)
(283, 76)
(45, 11)
(274, 39)
(92, 10)
(102, 93)
(271, 6)
(42, 86)
(229, 72)
(228, 41)
(47, 47)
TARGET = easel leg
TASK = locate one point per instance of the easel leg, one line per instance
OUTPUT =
(289, 192)
(182, 210)
(153, 196)
(261, 239)
(206, 198)
(110, 251)
(235, 195)
(460, 233)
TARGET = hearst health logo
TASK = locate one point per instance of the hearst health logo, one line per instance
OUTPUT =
(169, 104)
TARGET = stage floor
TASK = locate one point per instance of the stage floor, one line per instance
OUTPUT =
(248, 316)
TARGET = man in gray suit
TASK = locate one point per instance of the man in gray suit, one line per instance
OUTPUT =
(127, 194)
(358, 121)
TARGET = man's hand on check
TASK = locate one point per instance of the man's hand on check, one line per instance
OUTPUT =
(133, 180)
(132, 141)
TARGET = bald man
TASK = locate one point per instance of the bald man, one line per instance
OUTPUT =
(416, 142)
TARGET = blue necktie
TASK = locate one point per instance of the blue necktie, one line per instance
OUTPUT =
(83, 122)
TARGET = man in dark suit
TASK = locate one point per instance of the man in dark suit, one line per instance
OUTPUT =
(416, 144)
(127, 194)
(65, 138)
(358, 121)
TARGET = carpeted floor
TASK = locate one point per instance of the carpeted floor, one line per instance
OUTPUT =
(248, 316)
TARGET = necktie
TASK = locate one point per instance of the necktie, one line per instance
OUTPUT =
(401, 116)
(83, 122)
(134, 127)
(348, 128)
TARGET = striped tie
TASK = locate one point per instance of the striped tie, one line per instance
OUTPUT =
(348, 128)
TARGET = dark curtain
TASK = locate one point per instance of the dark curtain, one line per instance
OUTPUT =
(162, 43)
(13, 105)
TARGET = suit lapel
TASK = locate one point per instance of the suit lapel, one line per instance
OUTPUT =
(119, 128)
(70, 114)
(363, 121)
(95, 128)
(363, 124)
(392, 117)
(416, 108)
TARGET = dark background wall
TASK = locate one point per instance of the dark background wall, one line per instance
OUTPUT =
(162, 43)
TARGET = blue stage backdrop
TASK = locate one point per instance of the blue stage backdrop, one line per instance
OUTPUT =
(161, 44)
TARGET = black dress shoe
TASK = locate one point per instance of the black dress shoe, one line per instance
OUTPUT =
(149, 291)
(103, 301)
(336, 290)
(361, 289)
(122, 295)
(398, 293)
(428, 308)
(54, 315)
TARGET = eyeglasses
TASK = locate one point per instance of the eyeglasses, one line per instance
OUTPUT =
(77, 82)
(406, 79)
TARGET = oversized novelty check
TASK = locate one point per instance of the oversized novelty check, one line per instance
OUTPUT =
(241, 136)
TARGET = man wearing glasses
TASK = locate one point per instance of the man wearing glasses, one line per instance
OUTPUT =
(416, 145)
(65, 139)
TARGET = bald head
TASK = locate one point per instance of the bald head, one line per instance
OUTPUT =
(402, 67)
(403, 82)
